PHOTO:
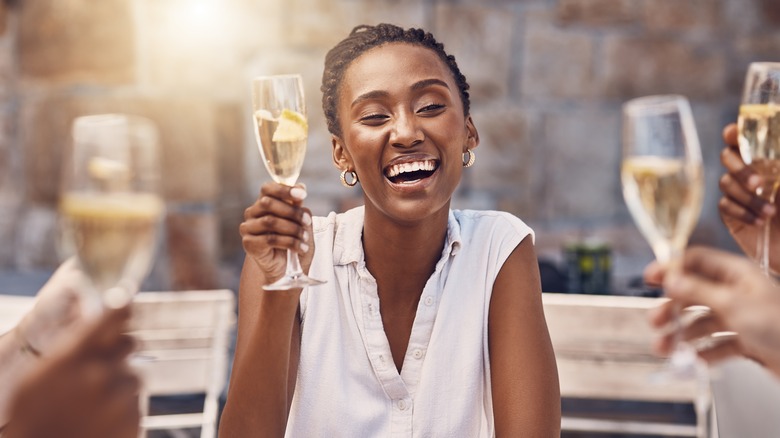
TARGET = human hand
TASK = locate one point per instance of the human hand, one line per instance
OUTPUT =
(741, 299)
(276, 222)
(84, 389)
(743, 211)
(56, 308)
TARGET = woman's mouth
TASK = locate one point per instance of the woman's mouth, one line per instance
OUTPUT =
(410, 172)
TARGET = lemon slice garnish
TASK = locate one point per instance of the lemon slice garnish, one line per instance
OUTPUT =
(262, 114)
(292, 127)
(106, 169)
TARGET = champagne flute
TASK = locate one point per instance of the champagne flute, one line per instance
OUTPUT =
(110, 209)
(281, 131)
(663, 185)
(759, 138)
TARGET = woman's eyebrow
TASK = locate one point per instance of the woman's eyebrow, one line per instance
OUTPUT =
(370, 95)
(376, 94)
(428, 82)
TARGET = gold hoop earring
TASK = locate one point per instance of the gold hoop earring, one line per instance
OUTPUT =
(469, 157)
(353, 177)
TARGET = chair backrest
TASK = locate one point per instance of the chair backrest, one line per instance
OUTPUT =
(603, 348)
(183, 339)
(12, 309)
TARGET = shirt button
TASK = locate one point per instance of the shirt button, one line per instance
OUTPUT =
(428, 301)
(402, 405)
(417, 354)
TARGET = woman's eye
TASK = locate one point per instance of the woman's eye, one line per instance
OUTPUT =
(373, 118)
(430, 107)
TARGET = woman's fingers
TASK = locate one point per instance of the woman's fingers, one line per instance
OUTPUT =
(653, 275)
(717, 349)
(730, 135)
(739, 171)
(739, 187)
(702, 325)
(276, 219)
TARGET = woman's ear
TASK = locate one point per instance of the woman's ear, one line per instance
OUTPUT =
(472, 136)
(341, 158)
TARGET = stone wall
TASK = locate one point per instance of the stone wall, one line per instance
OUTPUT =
(548, 78)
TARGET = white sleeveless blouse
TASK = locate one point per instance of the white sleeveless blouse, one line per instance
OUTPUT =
(348, 385)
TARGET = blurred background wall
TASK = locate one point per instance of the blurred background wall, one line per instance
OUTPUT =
(548, 78)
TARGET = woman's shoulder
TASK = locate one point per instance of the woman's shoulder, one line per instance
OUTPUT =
(333, 221)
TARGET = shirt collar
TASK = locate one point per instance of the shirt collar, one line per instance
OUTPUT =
(348, 242)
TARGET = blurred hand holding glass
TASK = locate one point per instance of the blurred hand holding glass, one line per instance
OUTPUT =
(110, 207)
(759, 138)
(281, 131)
(663, 184)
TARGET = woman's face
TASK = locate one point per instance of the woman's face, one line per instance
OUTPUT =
(404, 131)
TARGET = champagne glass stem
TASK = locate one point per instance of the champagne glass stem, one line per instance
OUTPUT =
(762, 251)
(293, 276)
(293, 265)
(682, 362)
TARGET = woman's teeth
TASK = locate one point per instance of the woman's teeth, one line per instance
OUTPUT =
(397, 169)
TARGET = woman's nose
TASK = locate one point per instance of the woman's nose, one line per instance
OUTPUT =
(406, 132)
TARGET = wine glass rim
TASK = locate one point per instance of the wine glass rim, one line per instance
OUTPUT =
(764, 65)
(108, 119)
(661, 103)
(279, 76)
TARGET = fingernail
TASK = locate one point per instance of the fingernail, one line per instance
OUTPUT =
(305, 236)
(768, 209)
(754, 181)
(306, 219)
(304, 247)
(298, 193)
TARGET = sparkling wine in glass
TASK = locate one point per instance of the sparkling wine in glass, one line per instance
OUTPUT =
(759, 138)
(663, 185)
(281, 131)
(109, 206)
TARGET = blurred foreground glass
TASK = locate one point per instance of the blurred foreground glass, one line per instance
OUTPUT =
(281, 131)
(110, 208)
(663, 185)
(759, 138)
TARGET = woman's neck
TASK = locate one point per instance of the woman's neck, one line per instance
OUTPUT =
(402, 257)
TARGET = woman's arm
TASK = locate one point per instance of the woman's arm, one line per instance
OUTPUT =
(268, 343)
(83, 388)
(526, 396)
(52, 317)
(266, 359)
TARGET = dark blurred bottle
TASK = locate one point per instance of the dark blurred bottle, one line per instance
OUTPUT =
(588, 268)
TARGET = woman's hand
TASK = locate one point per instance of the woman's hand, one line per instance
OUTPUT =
(744, 212)
(84, 389)
(740, 298)
(276, 222)
(56, 308)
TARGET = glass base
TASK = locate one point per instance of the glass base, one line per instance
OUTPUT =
(293, 282)
(681, 365)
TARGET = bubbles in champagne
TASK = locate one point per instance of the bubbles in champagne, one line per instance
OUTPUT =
(664, 195)
(113, 235)
(282, 144)
(759, 137)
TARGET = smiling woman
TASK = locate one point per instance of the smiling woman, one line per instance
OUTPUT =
(430, 322)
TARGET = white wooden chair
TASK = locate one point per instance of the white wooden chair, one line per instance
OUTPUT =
(183, 342)
(603, 348)
(12, 309)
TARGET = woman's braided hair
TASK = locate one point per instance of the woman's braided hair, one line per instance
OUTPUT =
(360, 40)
